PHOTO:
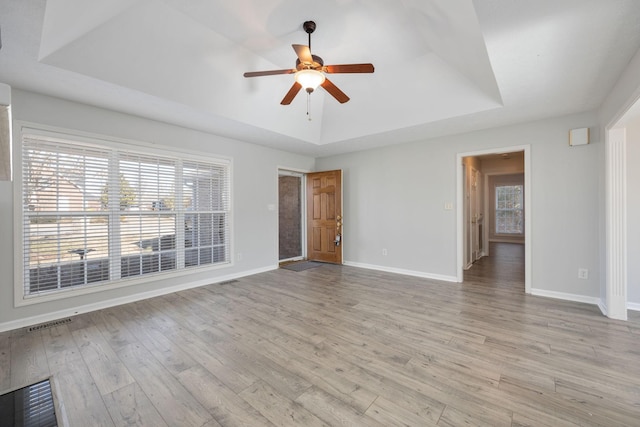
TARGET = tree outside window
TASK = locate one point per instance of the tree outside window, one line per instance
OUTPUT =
(127, 195)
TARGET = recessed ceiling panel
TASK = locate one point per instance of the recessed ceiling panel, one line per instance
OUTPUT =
(195, 53)
(441, 67)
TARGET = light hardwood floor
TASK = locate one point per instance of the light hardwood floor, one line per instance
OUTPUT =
(341, 346)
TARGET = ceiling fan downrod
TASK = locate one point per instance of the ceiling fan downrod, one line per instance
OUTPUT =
(309, 27)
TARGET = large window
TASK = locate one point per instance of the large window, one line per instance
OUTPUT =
(95, 215)
(509, 209)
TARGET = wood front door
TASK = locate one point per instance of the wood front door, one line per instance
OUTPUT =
(324, 216)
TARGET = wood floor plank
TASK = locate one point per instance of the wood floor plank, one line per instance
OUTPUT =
(333, 411)
(174, 403)
(28, 358)
(112, 323)
(454, 417)
(81, 400)
(58, 339)
(599, 401)
(229, 371)
(107, 370)
(318, 368)
(172, 356)
(5, 361)
(577, 411)
(338, 345)
(60, 348)
(628, 394)
(539, 421)
(279, 409)
(227, 408)
(130, 406)
(178, 308)
(278, 376)
(389, 414)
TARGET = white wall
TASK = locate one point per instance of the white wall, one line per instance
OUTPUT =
(254, 185)
(633, 212)
(394, 198)
(624, 94)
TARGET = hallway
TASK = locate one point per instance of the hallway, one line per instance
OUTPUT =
(503, 268)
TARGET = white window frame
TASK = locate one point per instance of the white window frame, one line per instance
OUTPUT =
(495, 203)
(133, 146)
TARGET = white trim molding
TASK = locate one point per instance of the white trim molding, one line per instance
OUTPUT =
(565, 296)
(633, 306)
(413, 273)
(603, 307)
(616, 223)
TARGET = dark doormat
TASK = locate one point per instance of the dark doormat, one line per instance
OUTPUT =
(301, 266)
(28, 406)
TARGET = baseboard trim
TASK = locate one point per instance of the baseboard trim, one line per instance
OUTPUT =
(603, 307)
(633, 306)
(413, 273)
(35, 320)
(567, 297)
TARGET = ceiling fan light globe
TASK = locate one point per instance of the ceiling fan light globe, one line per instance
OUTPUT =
(310, 79)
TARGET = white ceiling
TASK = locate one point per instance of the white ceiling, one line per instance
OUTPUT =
(441, 67)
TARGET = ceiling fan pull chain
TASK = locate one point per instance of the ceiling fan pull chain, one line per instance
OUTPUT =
(308, 105)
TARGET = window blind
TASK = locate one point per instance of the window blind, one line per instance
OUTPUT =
(95, 215)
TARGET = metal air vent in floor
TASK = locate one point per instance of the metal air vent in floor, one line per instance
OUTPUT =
(30, 406)
(49, 324)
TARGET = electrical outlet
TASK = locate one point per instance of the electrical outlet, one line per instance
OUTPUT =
(583, 273)
(384, 252)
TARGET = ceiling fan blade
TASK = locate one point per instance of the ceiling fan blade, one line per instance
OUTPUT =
(268, 73)
(349, 68)
(291, 94)
(334, 91)
(303, 52)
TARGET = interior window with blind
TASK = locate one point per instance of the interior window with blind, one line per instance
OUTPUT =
(95, 215)
(509, 209)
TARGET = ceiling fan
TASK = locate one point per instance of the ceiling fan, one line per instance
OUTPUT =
(310, 71)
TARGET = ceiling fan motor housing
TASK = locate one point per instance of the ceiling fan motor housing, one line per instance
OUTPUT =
(309, 27)
(317, 63)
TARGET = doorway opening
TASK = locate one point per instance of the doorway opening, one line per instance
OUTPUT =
(291, 216)
(309, 216)
(494, 232)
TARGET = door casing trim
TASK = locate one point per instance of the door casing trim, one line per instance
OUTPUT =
(528, 225)
(283, 170)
